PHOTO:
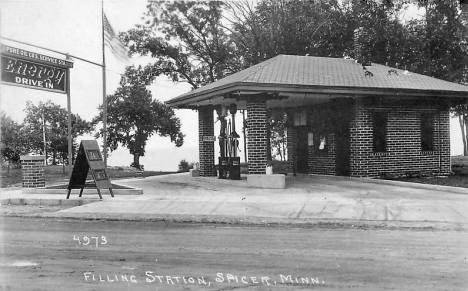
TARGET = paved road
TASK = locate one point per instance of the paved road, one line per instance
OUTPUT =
(45, 254)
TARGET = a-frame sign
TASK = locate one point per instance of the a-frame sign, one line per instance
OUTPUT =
(89, 157)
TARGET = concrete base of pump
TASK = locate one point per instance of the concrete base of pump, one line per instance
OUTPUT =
(194, 173)
(275, 181)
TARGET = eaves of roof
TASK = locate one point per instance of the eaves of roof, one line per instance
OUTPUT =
(316, 75)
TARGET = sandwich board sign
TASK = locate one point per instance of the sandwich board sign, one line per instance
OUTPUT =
(89, 158)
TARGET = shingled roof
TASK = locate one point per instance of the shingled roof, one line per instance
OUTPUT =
(306, 74)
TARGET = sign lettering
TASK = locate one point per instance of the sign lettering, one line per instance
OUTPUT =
(12, 51)
(209, 138)
(26, 73)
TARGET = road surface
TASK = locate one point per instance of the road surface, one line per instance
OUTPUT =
(51, 254)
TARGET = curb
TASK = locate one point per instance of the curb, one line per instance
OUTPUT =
(48, 202)
(458, 190)
(86, 191)
(240, 183)
(257, 221)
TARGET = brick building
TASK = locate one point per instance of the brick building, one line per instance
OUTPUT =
(343, 118)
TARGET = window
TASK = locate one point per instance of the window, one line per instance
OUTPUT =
(379, 130)
(300, 117)
(427, 132)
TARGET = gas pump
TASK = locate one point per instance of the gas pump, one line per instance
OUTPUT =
(223, 160)
(229, 163)
(234, 160)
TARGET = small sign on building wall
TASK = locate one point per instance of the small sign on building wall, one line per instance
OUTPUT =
(310, 139)
(209, 138)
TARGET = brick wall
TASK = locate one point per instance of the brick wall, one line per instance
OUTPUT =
(206, 148)
(290, 147)
(33, 171)
(319, 162)
(291, 138)
(256, 136)
(403, 154)
(323, 163)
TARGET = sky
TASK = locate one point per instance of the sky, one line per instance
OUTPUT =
(74, 27)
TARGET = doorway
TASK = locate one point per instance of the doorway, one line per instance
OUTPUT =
(342, 151)
(302, 150)
(342, 136)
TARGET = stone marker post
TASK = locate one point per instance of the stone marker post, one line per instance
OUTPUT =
(33, 171)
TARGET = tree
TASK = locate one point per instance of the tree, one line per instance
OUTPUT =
(187, 41)
(45, 128)
(278, 138)
(11, 143)
(435, 45)
(201, 42)
(445, 52)
(133, 116)
(288, 27)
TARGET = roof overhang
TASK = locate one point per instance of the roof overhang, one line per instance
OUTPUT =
(285, 95)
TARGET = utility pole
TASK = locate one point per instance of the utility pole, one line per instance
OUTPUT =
(44, 135)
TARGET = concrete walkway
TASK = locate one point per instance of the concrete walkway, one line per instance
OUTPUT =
(306, 199)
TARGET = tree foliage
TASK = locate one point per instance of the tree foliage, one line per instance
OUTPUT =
(287, 27)
(278, 135)
(11, 141)
(133, 116)
(187, 41)
(52, 119)
(201, 42)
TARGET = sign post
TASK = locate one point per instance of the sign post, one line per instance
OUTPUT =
(69, 126)
(36, 71)
(89, 157)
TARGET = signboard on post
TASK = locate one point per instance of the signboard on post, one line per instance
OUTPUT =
(209, 138)
(89, 158)
(36, 71)
(28, 69)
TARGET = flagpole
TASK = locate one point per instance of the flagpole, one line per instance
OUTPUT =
(104, 98)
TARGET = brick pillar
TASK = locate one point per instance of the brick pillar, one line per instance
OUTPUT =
(257, 136)
(206, 148)
(442, 134)
(33, 171)
(291, 137)
(360, 140)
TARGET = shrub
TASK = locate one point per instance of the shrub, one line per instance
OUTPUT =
(185, 166)
(142, 168)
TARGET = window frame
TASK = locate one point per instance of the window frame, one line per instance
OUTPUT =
(427, 130)
(379, 131)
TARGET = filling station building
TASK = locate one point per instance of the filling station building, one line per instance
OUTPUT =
(344, 118)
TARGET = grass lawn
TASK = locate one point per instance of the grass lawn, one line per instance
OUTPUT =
(55, 175)
(459, 177)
